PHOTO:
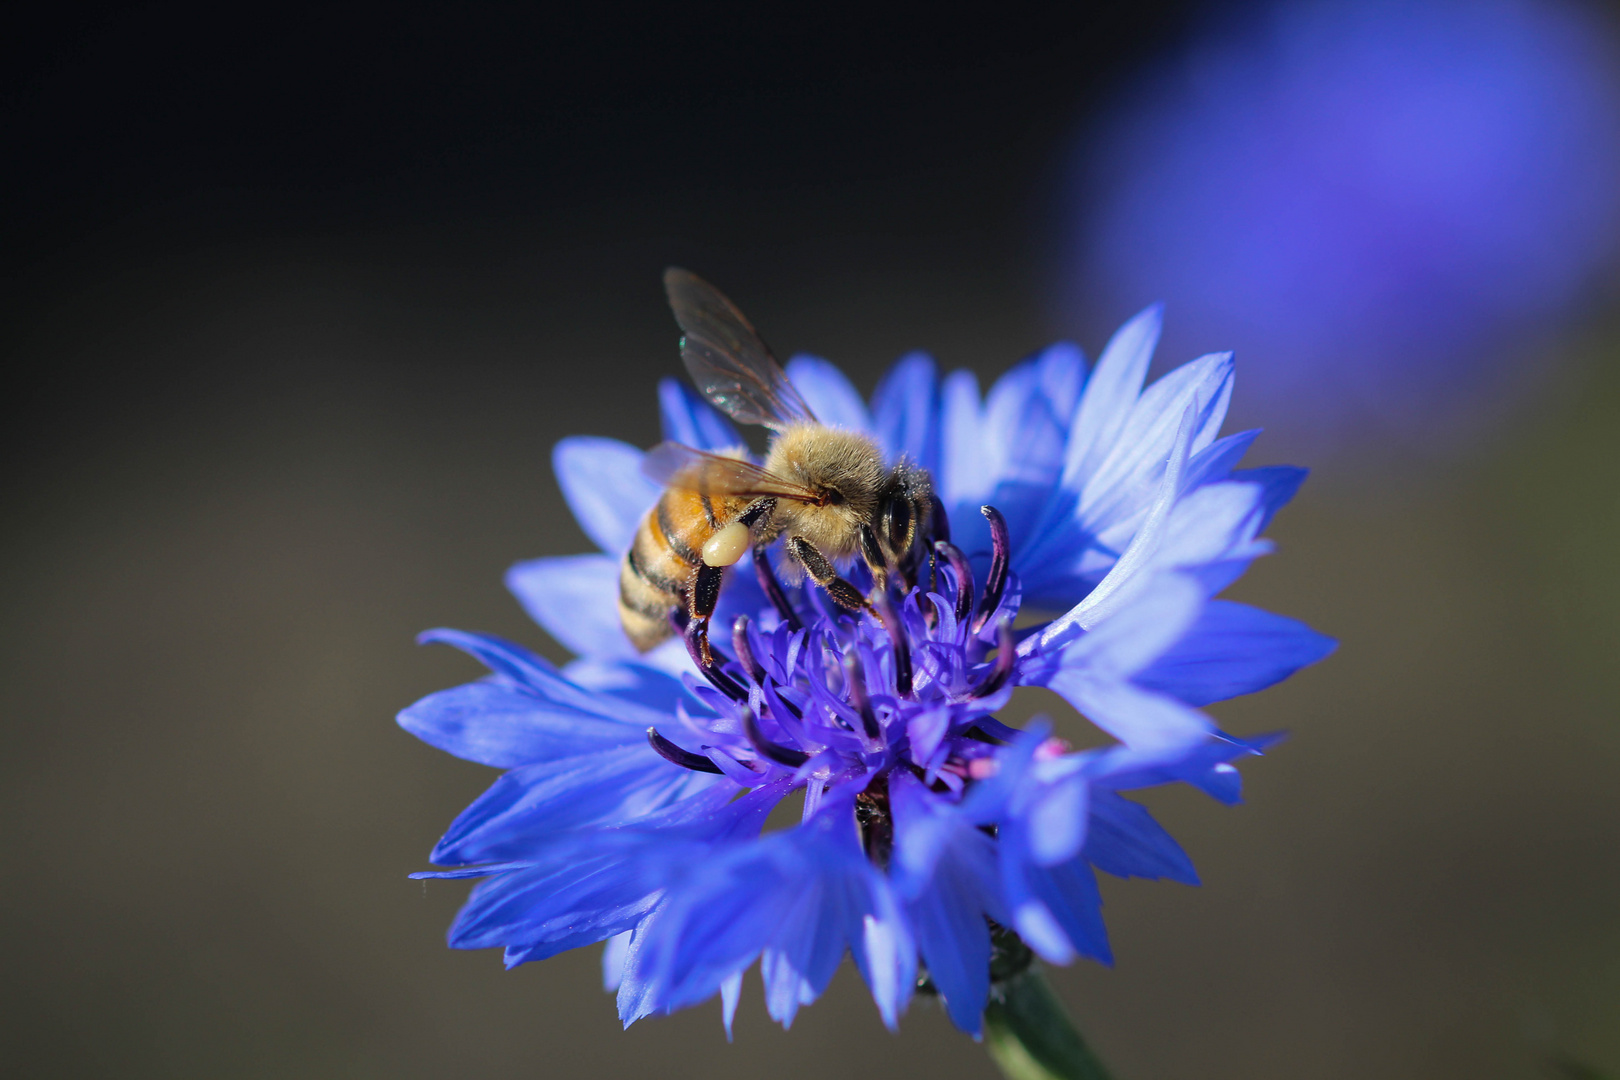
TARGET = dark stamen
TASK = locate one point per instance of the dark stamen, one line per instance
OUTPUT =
(684, 758)
(897, 638)
(745, 651)
(940, 529)
(773, 590)
(1004, 661)
(855, 679)
(698, 648)
(930, 610)
(964, 578)
(1000, 549)
(782, 755)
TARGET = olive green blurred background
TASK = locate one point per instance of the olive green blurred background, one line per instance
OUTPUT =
(296, 307)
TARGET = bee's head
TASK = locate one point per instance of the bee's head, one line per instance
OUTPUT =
(906, 505)
(860, 504)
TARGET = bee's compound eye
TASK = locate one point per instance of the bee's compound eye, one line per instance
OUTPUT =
(726, 546)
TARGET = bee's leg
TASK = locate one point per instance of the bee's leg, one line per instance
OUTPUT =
(705, 593)
(874, 560)
(845, 594)
(700, 604)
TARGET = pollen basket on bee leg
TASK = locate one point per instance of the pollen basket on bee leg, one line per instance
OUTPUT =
(728, 545)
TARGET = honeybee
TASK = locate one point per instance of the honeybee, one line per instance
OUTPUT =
(826, 490)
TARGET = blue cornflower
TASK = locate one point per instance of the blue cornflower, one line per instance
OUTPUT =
(638, 785)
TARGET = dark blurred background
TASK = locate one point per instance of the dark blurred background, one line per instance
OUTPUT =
(297, 300)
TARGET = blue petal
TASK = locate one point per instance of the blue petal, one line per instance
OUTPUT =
(1278, 483)
(636, 683)
(639, 986)
(1117, 451)
(829, 393)
(1124, 840)
(925, 827)
(500, 656)
(1060, 377)
(515, 955)
(1217, 460)
(1055, 378)
(1011, 401)
(1163, 608)
(1057, 816)
(989, 800)
(1206, 381)
(1058, 557)
(1204, 765)
(602, 481)
(730, 997)
(884, 949)
(1210, 532)
(575, 599)
(1138, 718)
(1217, 523)
(821, 919)
(709, 927)
(1234, 649)
(1068, 893)
(613, 957)
(1010, 453)
(464, 872)
(954, 941)
(1122, 486)
(689, 419)
(966, 458)
(529, 806)
(812, 940)
(1110, 395)
(589, 898)
(798, 899)
(946, 871)
(537, 674)
(1056, 909)
(596, 884)
(905, 411)
(1033, 425)
(496, 722)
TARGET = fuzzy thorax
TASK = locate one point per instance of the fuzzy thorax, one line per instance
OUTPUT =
(844, 467)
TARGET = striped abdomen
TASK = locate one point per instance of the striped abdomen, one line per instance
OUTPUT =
(656, 575)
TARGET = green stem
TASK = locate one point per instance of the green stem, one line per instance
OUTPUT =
(1030, 1036)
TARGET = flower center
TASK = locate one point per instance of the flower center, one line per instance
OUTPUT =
(840, 696)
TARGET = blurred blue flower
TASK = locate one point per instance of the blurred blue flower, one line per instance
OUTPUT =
(1384, 206)
(637, 786)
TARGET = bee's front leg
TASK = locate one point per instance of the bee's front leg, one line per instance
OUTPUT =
(819, 568)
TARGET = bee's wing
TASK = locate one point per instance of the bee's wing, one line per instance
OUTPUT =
(726, 358)
(678, 466)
